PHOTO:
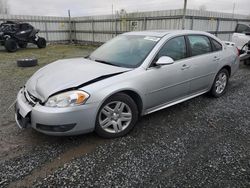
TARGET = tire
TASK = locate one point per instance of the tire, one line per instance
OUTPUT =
(220, 83)
(27, 62)
(41, 42)
(10, 45)
(117, 125)
(22, 44)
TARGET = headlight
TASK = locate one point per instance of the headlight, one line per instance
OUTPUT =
(70, 98)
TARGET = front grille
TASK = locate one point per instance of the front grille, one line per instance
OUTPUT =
(32, 100)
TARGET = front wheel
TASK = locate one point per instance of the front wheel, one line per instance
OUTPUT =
(10, 45)
(117, 116)
(220, 83)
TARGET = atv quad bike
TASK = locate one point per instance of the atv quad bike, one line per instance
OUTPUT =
(17, 34)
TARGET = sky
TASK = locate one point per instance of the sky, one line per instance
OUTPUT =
(100, 7)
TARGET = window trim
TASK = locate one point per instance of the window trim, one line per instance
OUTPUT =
(213, 47)
(190, 49)
(153, 59)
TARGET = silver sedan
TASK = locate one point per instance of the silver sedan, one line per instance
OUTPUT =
(134, 74)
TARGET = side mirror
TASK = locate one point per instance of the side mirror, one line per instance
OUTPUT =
(164, 60)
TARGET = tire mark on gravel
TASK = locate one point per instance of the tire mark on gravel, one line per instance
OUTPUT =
(58, 162)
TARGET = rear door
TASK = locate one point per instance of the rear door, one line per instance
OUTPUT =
(203, 62)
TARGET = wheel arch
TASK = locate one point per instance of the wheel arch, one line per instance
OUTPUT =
(131, 93)
(136, 97)
(228, 68)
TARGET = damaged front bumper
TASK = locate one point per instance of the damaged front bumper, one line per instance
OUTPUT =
(54, 121)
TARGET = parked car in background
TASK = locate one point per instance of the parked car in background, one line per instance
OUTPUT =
(241, 38)
(134, 74)
(18, 34)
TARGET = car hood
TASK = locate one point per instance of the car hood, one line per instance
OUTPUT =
(66, 74)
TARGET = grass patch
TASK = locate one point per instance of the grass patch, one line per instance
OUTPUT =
(13, 77)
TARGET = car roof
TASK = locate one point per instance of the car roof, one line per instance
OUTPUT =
(162, 33)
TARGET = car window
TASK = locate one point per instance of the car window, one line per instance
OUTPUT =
(174, 48)
(216, 45)
(199, 44)
(241, 28)
(125, 50)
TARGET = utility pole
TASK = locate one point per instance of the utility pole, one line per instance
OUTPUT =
(70, 28)
(231, 27)
(184, 14)
(112, 20)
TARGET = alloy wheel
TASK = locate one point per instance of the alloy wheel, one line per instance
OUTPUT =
(221, 83)
(115, 117)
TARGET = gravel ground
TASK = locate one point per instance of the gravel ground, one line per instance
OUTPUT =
(203, 142)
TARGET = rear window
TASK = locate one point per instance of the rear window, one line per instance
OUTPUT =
(216, 45)
(199, 44)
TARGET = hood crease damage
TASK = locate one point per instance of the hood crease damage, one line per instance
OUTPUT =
(68, 74)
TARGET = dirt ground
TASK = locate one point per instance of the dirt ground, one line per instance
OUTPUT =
(203, 142)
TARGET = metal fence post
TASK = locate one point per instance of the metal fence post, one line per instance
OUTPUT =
(75, 36)
(145, 23)
(46, 31)
(192, 23)
(70, 27)
(115, 27)
(184, 14)
(217, 26)
(93, 33)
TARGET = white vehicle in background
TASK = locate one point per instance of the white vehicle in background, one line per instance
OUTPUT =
(241, 39)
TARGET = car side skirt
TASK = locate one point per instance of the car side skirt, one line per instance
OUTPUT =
(154, 109)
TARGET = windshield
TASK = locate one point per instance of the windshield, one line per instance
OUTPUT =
(125, 51)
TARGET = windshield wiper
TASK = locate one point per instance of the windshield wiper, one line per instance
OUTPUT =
(106, 62)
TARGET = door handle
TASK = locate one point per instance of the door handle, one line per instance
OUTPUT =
(184, 66)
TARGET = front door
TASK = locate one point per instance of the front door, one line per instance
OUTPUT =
(168, 83)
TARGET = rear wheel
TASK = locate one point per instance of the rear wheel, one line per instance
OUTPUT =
(220, 83)
(41, 42)
(10, 45)
(117, 116)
